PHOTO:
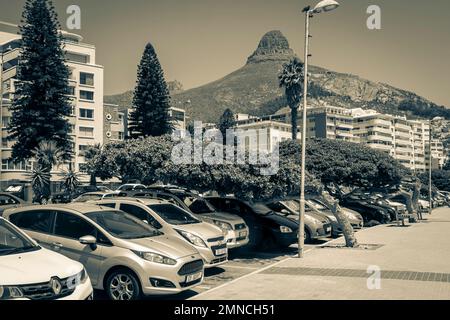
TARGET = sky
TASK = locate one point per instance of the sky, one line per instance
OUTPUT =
(199, 41)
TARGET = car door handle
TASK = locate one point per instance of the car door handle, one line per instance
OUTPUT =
(57, 245)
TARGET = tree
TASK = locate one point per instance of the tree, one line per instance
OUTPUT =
(90, 154)
(291, 79)
(151, 102)
(41, 100)
(71, 181)
(47, 155)
(226, 122)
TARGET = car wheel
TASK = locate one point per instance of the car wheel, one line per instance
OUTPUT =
(123, 285)
(307, 236)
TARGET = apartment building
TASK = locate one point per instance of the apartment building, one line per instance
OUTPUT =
(263, 134)
(86, 83)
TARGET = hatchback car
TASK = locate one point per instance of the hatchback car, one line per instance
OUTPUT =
(93, 196)
(316, 226)
(208, 239)
(121, 254)
(30, 272)
(234, 227)
(266, 227)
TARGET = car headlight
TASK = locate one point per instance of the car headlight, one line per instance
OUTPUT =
(156, 258)
(285, 229)
(10, 293)
(350, 215)
(76, 280)
(196, 241)
(223, 225)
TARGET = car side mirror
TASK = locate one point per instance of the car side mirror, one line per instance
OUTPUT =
(88, 240)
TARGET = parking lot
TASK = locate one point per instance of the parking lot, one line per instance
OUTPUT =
(240, 264)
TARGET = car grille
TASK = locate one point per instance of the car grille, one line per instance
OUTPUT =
(223, 246)
(216, 239)
(191, 267)
(44, 291)
(187, 284)
(219, 260)
(240, 226)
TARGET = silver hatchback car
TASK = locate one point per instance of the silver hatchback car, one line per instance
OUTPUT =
(208, 239)
(121, 254)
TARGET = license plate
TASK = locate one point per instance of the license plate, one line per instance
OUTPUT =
(193, 277)
(220, 252)
(328, 230)
(242, 234)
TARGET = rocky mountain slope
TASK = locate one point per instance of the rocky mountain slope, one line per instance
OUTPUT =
(254, 89)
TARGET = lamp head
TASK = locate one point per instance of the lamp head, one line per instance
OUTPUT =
(325, 6)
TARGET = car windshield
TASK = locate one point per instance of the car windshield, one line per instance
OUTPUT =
(122, 225)
(197, 205)
(292, 205)
(12, 241)
(173, 214)
(261, 209)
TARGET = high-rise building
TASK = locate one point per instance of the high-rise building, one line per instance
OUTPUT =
(86, 83)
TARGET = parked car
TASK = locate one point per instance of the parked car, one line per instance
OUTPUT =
(8, 201)
(234, 227)
(267, 229)
(372, 214)
(95, 196)
(316, 226)
(354, 218)
(67, 197)
(121, 254)
(131, 187)
(208, 239)
(30, 272)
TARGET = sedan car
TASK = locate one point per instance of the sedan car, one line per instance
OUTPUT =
(372, 214)
(234, 227)
(207, 239)
(316, 226)
(266, 227)
(30, 272)
(122, 255)
(8, 201)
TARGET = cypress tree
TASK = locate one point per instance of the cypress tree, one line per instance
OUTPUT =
(151, 100)
(41, 101)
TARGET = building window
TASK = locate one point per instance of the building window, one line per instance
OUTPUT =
(121, 136)
(8, 165)
(83, 168)
(87, 113)
(86, 79)
(121, 118)
(86, 132)
(86, 95)
(75, 57)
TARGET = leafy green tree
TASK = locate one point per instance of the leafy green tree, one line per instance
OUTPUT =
(439, 178)
(291, 79)
(41, 100)
(151, 101)
(226, 122)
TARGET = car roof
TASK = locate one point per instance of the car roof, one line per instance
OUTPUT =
(81, 208)
(145, 201)
(95, 193)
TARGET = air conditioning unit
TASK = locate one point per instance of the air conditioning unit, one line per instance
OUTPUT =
(108, 117)
(109, 134)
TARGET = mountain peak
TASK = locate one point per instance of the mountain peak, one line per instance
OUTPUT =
(272, 46)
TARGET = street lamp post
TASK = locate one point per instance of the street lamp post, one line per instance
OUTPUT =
(430, 167)
(322, 6)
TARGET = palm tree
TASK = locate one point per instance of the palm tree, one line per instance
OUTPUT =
(40, 182)
(47, 155)
(71, 181)
(291, 79)
(90, 154)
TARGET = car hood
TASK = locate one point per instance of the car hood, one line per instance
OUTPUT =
(222, 216)
(168, 246)
(282, 220)
(203, 230)
(36, 267)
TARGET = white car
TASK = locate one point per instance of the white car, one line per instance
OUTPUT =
(30, 272)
